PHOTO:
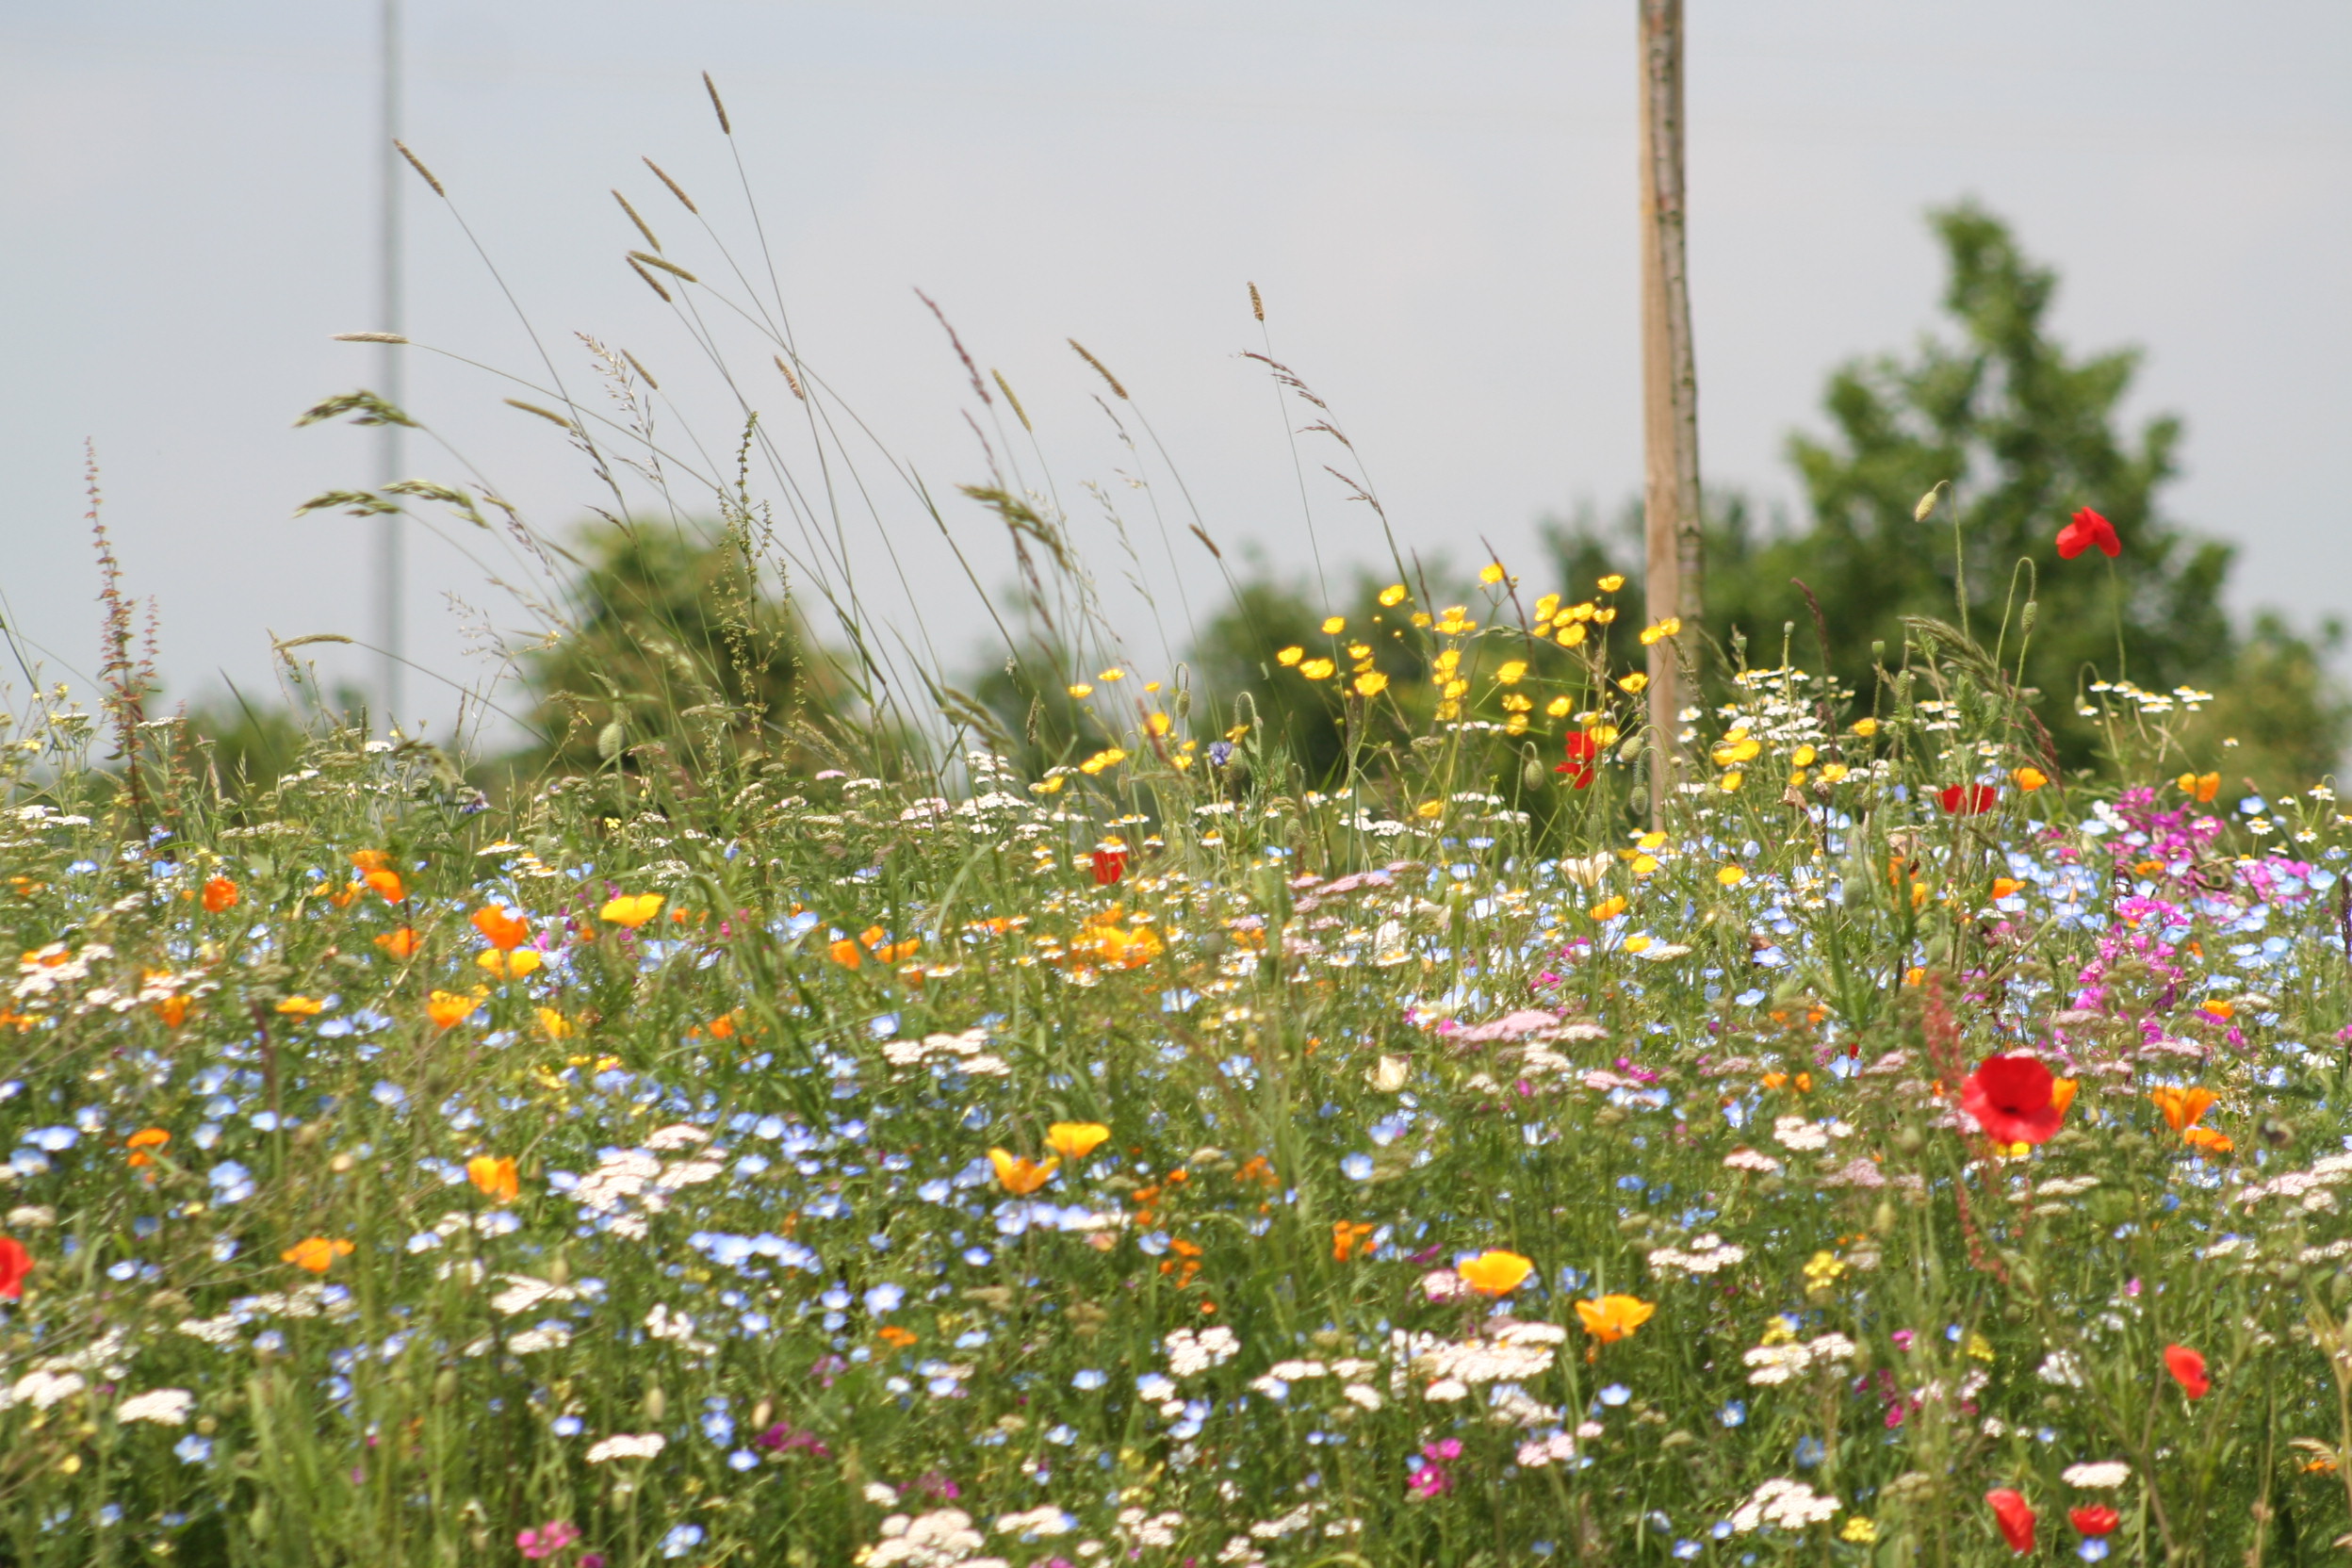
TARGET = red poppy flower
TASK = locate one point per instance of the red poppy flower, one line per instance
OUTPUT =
(15, 1263)
(1582, 749)
(2014, 1517)
(2088, 528)
(1109, 865)
(2188, 1369)
(2097, 1519)
(2014, 1098)
(1967, 800)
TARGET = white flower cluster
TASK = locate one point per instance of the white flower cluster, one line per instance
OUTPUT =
(166, 1407)
(1791, 1505)
(1750, 1159)
(626, 1445)
(1706, 1254)
(942, 1539)
(1795, 1131)
(2103, 1476)
(1189, 1353)
(960, 1051)
(1772, 1365)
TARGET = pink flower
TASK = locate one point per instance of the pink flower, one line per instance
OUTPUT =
(547, 1539)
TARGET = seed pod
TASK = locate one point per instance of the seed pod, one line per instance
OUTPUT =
(655, 1404)
(611, 738)
(761, 1414)
(2033, 606)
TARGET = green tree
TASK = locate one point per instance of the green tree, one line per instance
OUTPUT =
(677, 640)
(2025, 433)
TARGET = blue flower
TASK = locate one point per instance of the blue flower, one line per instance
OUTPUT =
(194, 1449)
(1733, 1413)
(1809, 1452)
(1615, 1393)
(1088, 1378)
(681, 1540)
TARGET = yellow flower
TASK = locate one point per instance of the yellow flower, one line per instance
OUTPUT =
(1865, 728)
(1664, 629)
(2199, 786)
(1017, 1176)
(1731, 877)
(1512, 672)
(1571, 634)
(1822, 1271)
(1831, 771)
(1334, 625)
(1635, 683)
(1101, 759)
(1495, 1272)
(1614, 1317)
(1317, 669)
(2029, 779)
(1651, 840)
(1359, 650)
(1603, 617)
(631, 910)
(1861, 1530)
(511, 966)
(316, 1253)
(1393, 595)
(1640, 944)
(447, 1009)
(1610, 583)
(1082, 690)
(555, 1025)
(1803, 757)
(1492, 573)
(1429, 808)
(495, 1176)
(1420, 617)
(1075, 1140)
(1371, 683)
(1558, 708)
(1644, 864)
(1608, 909)
(1547, 606)
(302, 1006)
(1112, 675)
(1290, 656)
(1158, 723)
(1731, 781)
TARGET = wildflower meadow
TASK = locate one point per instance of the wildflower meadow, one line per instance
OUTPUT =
(1835, 1131)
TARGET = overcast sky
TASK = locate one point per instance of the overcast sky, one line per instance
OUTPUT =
(1437, 200)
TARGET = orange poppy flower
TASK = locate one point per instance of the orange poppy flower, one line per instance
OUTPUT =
(501, 930)
(220, 893)
(316, 1253)
(341, 898)
(302, 1006)
(2182, 1107)
(370, 859)
(1346, 1236)
(2207, 1141)
(399, 943)
(1075, 1140)
(173, 1009)
(511, 966)
(495, 1176)
(1614, 1317)
(141, 1142)
(894, 1336)
(447, 1009)
(388, 884)
(1019, 1176)
(1495, 1272)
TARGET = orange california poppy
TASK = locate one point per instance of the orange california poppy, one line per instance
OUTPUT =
(1495, 1272)
(495, 1176)
(500, 929)
(388, 884)
(399, 943)
(316, 1253)
(1614, 1317)
(220, 893)
(1019, 1176)
(447, 1009)
(2182, 1107)
(1075, 1140)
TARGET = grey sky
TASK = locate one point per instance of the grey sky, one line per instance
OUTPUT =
(1438, 202)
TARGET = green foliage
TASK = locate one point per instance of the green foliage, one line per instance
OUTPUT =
(676, 641)
(2026, 433)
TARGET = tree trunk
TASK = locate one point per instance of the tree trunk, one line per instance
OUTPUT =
(1670, 391)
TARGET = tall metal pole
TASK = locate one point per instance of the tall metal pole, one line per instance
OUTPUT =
(388, 525)
(1670, 391)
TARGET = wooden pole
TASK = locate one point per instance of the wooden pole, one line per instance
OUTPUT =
(1675, 577)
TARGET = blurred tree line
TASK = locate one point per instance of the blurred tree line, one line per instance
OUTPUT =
(677, 644)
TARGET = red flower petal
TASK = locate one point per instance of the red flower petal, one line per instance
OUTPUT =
(2097, 1519)
(2188, 1369)
(2014, 1517)
(2014, 1098)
